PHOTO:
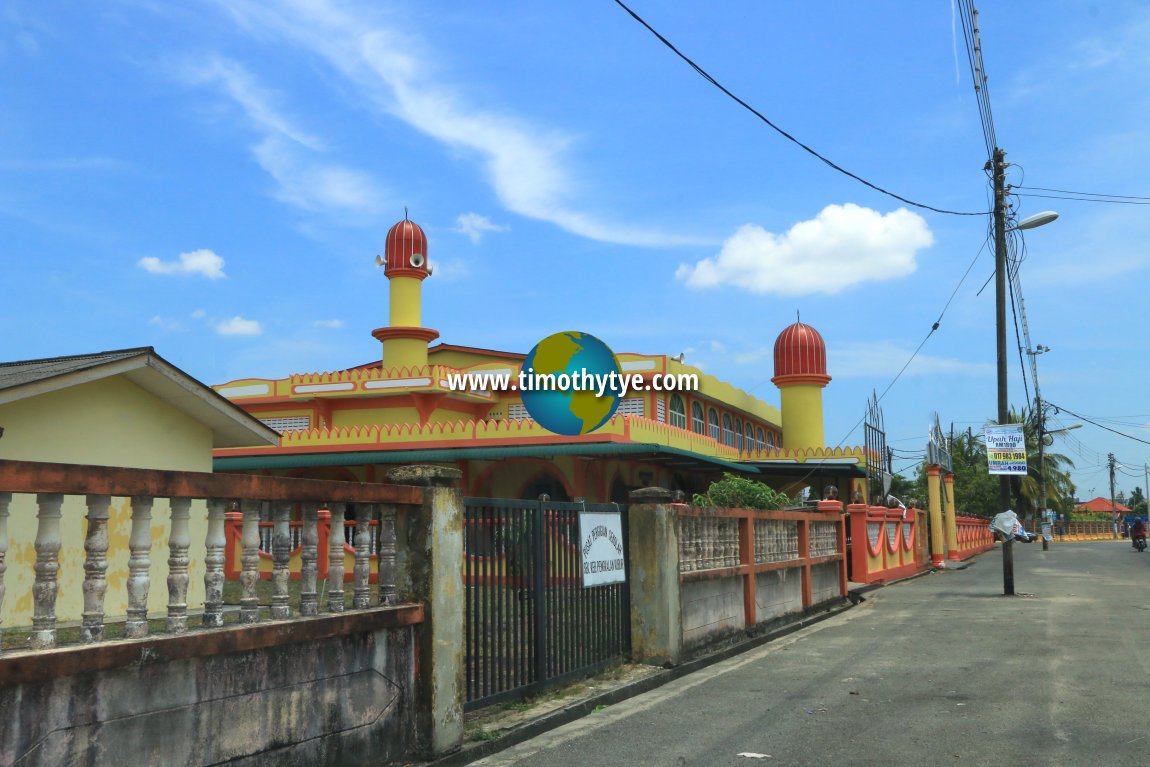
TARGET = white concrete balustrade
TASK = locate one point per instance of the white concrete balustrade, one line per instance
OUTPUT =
(111, 567)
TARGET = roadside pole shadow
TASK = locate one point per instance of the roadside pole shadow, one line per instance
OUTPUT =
(980, 594)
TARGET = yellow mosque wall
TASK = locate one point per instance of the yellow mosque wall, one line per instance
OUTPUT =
(802, 416)
(404, 308)
(390, 416)
(110, 422)
(462, 358)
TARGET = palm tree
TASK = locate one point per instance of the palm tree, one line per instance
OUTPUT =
(1059, 487)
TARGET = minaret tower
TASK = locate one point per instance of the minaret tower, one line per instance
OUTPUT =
(801, 374)
(405, 264)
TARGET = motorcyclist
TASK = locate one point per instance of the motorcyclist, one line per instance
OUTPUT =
(1137, 531)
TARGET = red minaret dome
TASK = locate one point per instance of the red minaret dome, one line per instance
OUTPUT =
(405, 253)
(800, 356)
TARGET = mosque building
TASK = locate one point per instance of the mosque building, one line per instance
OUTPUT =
(357, 423)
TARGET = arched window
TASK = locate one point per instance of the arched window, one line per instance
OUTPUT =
(728, 432)
(761, 443)
(751, 437)
(713, 417)
(543, 483)
(678, 412)
(739, 435)
(698, 423)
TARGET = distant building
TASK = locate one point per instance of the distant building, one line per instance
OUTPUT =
(1101, 505)
(128, 408)
(355, 423)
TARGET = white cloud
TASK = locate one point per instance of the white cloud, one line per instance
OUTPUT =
(475, 226)
(314, 186)
(199, 314)
(238, 326)
(755, 355)
(287, 152)
(166, 323)
(203, 262)
(453, 269)
(524, 164)
(332, 324)
(841, 247)
(880, 358)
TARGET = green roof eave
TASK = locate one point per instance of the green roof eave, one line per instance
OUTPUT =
(304, 460)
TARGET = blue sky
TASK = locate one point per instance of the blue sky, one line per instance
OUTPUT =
(215, 179)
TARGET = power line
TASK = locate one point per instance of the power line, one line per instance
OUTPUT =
(706, 76)
(1083, 194)
(973, 41)
(1100, 426)
(1081, 199)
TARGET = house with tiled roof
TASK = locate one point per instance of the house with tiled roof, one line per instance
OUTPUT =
(1101, 505)
(124, 408)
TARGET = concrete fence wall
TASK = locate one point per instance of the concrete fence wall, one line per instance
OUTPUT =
(700, 576)
(885, 543)
(286, 679)
(324, 690)
(972, 536)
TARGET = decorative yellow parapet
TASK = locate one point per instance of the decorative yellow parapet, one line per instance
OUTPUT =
(845, 455)
(345, 383)
(645, 430)
(458, 434)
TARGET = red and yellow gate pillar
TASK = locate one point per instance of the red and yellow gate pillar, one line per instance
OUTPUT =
(948, 513)
(934, 506)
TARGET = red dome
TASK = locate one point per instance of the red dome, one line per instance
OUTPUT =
(405, 253)
(800, 353)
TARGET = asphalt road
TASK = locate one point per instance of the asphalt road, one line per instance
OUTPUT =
(942, 669)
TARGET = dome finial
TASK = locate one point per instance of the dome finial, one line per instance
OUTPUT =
(405, 213)
(798, 319)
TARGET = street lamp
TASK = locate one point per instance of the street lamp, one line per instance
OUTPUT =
(998, 166)
(1031, 222)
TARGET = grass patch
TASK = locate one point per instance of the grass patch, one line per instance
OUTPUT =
(477, 734)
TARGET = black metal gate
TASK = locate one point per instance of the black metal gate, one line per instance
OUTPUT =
(530, 622)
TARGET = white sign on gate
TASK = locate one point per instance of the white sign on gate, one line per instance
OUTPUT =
(601, 548)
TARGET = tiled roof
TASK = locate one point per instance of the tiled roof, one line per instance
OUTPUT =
(231, 426)
(29, 371)
(1101, 504)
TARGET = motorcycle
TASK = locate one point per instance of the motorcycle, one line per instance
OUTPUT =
(1140, 543)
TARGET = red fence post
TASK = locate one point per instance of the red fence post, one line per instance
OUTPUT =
(323, 527)
(857, 512)
(747, 562)
(805, 556)
(233, 522)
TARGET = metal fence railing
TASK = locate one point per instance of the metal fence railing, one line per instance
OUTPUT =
(530, 622)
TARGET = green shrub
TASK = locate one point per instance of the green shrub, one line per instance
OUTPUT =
(733, 492)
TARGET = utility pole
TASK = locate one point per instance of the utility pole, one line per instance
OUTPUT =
(1041, 465)
(1113, 506)
(998, 163)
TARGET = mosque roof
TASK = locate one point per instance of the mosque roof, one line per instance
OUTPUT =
(800, 351)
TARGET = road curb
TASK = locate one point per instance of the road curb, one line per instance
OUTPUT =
(559, 717)
(582, 708)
